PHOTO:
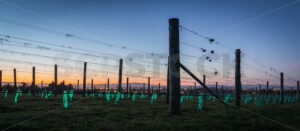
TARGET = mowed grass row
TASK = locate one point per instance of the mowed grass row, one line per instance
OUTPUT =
(35, 113)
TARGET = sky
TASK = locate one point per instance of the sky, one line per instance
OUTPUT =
(265, 31)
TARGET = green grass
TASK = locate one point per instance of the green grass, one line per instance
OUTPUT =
(35, 113)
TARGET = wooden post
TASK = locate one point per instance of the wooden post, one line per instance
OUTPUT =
(130, 88)
(195, 88)
(33, 80)
(55, 80)
(42, 84)
(149, 93)
(143, 87)
(281, 87)
(174, 66)
(204, 83)
(84, 79)
(298, 92)
(237, 77)
(168, 89)
(120, 75)
(158, 88)
(267, 90)
(1, 80)
(127, 85)
(92, 86)
(217, 88)
(15, 79)
(204, 96)
(107, 84)
(77, 85)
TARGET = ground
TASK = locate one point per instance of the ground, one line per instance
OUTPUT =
(93, 113)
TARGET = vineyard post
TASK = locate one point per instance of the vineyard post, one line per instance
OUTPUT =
(107, 84)
(55, 80)
(92, 86)
(267, 88)
(281, 87)
(130, 88)
(158, 88)
(149, 86)
(120, 75)
(42, 84)
(84, 79)
(168, 87)
(298, 92)
(174, 66)
(127, 85)
(204, 82)
(217, 88)
(237, 77)
(195, 88)
(1, 80)
(33, 80)
(15, 79)
(77, 85)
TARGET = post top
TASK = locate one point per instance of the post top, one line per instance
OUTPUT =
(173, 19)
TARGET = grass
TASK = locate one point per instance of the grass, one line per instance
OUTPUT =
(35, 113)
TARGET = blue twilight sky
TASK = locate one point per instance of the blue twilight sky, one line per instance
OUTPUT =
(265, 30)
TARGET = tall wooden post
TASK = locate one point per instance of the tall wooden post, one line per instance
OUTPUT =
(168, 87)
(127, 85)
(120, 75)
(15, 80)
(298, 92)
(1, 80)
(55, 80)
(92, 86)
(216, 88)
(195, 88)
(33, 80)
(204, 77)
(130, 88)
(174, 66)
(267, 90)
(158, 88)
(149, 86)
(237, 77)
(77, 85)
(84, 79)
(281, 87)
(42, 84)
(107, 84)
(204, 96)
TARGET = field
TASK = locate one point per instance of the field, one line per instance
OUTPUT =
(93, 113)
